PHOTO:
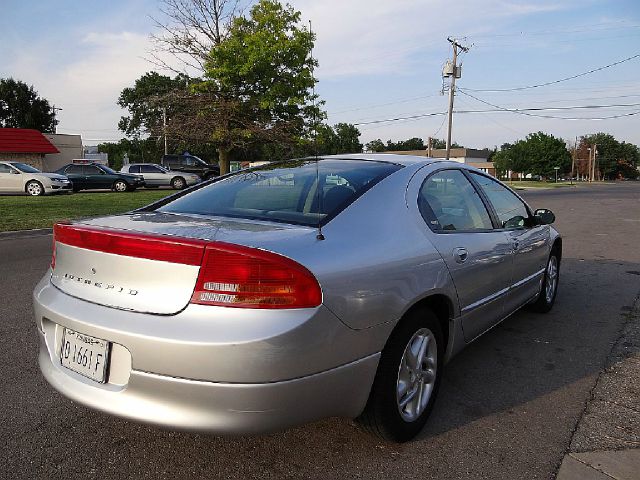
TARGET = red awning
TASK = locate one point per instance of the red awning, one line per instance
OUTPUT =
(22, 140)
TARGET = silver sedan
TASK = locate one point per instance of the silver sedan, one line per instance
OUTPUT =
(157, 176)
(291, 292)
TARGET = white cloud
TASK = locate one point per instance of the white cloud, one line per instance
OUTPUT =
(361, 37)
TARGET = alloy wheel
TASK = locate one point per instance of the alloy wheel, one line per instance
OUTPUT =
(34, 188)
(551, 282)
(417, 374)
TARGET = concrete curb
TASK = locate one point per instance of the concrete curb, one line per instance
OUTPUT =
(36, 232)
(606, 442)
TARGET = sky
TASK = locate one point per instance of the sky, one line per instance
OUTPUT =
(379, 60)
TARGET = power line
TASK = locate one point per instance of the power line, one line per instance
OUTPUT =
(572, 77)
(525, 111)
(412, 117)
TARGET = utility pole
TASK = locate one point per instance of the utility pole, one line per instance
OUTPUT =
(573, 160)
(164, 129)
(452, 73)
(55, 114)
(593, 165)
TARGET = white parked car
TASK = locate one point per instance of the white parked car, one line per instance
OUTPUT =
(157, 176)
(17, 177)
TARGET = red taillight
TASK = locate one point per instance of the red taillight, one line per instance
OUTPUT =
(230, 275)
(162, 248)
(235, 276)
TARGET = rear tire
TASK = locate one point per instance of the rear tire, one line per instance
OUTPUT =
(547, 296)
(120, 186)
(408, 379)
(178, 183)
(34, 188)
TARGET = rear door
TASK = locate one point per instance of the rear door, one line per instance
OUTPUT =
(478, 256)
(153, 175)
(529, 241)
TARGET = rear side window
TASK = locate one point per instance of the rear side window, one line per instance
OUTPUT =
(448, 201)
(511, 211)
(74, 169)
(291, 192)
(92, 170)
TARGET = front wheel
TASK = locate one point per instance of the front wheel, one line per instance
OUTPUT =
(34, 188)
(120, 186)
(178, 183)
(407, 381)
(547, 296)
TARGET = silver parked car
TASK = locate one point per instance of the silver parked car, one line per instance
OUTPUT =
(157, 176)
(291, 292)
(18, 177)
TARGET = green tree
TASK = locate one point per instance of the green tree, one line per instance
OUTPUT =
(146, 101)
(348, 138)
(257, 85)
(21, 107)
(614, 159)
(537, 154)
(376, 145)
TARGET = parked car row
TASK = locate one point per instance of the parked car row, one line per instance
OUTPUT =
(17, 177)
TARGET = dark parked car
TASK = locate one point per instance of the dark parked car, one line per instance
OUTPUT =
(93, 175)
(190, 164)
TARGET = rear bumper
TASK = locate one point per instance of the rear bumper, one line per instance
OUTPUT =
(213, 369)
(224, 408)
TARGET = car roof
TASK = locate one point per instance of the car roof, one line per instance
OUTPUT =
(136, 164)
(405, 160)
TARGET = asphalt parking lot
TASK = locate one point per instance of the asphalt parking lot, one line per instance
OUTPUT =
(508, 406)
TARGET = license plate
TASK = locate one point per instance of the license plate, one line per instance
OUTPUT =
(85, 355)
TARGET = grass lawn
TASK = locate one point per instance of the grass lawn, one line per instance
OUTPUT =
(538, 184)
(24, 212)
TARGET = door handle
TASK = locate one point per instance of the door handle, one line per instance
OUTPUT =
(460, 254)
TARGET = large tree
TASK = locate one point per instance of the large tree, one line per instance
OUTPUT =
(22, 107)
(257, 86)
(187, 30)
(614, 159)
(146, 105)
(538, 154)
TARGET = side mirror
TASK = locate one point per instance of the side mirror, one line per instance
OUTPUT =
(544, 216)
(15, 172)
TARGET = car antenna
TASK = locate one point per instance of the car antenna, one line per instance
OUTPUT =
(319, 236)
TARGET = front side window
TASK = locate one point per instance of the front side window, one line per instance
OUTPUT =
(448, 201)
(303, 192)
(134, 169)
(511, 211)
(23, 167)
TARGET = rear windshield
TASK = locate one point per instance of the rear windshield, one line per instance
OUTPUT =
(292, 192)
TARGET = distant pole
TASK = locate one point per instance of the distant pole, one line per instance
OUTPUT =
(593, 167)
(452, 87)
(589, 165)
(164, 124)
(55, 114)
(573, 160)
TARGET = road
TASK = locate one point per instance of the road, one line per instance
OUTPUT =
(507, 408)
